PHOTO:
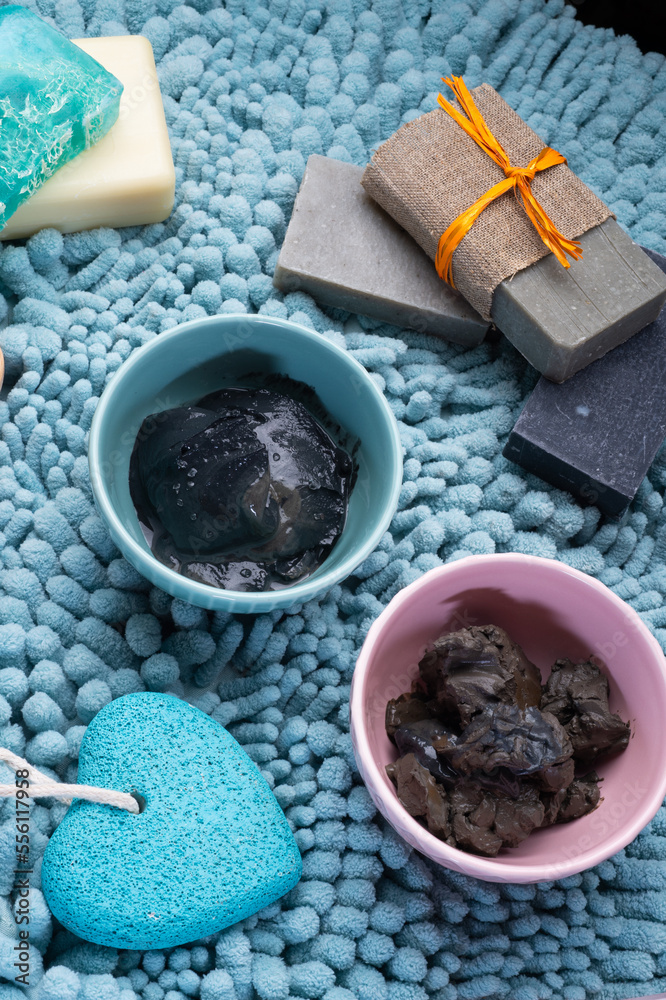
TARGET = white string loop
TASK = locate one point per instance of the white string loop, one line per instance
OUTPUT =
(41, 786)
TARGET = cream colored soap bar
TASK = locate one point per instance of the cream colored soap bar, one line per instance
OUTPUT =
(127, 178)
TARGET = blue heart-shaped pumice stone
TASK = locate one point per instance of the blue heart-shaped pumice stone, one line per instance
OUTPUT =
(211, 847)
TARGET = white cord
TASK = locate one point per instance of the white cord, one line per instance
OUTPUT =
(41, 786)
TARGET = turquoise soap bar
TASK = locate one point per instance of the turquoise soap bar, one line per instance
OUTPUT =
(55, 101)
(211, 846)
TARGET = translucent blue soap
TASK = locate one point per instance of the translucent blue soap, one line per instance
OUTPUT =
(55, 101)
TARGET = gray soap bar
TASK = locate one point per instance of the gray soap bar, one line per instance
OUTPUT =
(562, 319)
(596, 435)
(345, 251)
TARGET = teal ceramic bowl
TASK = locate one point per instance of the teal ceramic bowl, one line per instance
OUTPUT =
(182, 365)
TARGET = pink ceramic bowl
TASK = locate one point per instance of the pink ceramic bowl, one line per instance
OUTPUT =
(552, 611)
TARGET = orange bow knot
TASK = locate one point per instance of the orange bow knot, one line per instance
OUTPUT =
(529, 172)
(519, 178)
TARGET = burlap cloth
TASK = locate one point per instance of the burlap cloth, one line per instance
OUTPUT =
(430, 171)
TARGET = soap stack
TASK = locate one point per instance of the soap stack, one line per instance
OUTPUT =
(95, 150)
(373, 241)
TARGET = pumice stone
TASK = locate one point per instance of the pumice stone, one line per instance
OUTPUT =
(210, 847)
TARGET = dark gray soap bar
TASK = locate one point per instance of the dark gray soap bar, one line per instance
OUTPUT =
(345, 251)
(597, 434)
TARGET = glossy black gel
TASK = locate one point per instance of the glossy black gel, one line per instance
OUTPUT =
(244, 490)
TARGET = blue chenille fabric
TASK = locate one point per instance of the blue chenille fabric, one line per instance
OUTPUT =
(250, 89)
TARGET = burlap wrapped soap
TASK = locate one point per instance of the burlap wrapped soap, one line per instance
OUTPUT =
(431, 170)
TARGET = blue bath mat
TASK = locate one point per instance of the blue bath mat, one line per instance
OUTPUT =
(250, 90)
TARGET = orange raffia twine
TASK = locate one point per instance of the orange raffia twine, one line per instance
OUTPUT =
(519, 178)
